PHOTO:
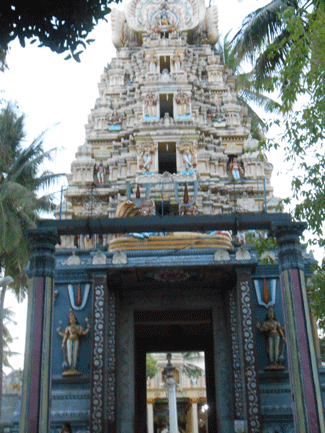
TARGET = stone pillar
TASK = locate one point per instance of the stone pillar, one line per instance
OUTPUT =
(150, 420)
(103, 382)
(172, 405)
(35, 410)
(303, 371)
(195, 419)
(246, 325)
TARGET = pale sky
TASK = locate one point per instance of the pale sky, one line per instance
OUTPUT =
(58, 94)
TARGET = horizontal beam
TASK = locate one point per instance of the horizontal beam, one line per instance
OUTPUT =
(234, 222)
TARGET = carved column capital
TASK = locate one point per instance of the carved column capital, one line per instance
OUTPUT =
(42, 257)
(287, 236)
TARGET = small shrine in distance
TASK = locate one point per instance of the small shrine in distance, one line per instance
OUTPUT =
(153, 251)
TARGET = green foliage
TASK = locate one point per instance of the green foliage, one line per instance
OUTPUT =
(302, 77)
(61, 25)
(246, 89)
(8, 320)
(285, 42)
(189, 368)
(316, 294)
(151, 362)
(322, 348)
(11, 135)
(21, 193)
(262, 243)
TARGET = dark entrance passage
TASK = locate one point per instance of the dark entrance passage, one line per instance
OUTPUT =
(172, 331)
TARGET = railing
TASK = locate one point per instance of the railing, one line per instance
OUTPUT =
(227, 195)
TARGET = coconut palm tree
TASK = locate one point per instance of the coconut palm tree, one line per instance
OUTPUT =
(8, 321)
(265, 38)
(246, 88)
(259, 30)
(22, 197)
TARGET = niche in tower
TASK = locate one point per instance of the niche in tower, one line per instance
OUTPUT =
(166, 103)
(167, 157)
(164, 64)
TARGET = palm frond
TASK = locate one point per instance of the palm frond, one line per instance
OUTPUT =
(260, 28)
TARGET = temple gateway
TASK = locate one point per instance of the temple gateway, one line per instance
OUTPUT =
(151, 260)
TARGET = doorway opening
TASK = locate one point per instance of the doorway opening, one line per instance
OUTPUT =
(164, 64)
(166, 102)
(187, 369)
(187, 335)
(167, 157)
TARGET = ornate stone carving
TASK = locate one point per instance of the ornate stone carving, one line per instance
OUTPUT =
(42, 258)
(287, 237)
(150, 103)
(98, 370)
(189, 156)
(237, 369)
(146, 153)
(274, 340)
(110, 372)
(119, 258)
(242, 255)
(71, 344)
(73, 260)
(99, 258)
(251, 380)
(221, 256)
(79, 301)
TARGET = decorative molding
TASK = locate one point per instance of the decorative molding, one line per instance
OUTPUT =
(271, 291)
(243, 254)
(250, 361)
(73, 260)
(111, 360)
(221, 256)
(84, 298)
(42, 256)
(99, 258)
(119, 258)
(237, 370)
(98, 370)
(289, 254)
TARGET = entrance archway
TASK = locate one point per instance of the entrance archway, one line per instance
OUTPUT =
(172, 331)
(185, 316)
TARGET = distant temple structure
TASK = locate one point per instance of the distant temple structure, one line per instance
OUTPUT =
(152, 251)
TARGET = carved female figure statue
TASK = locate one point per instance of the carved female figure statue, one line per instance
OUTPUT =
(71, 343)
(274, 340)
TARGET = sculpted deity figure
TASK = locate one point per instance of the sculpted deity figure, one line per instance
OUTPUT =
(235, 168)
(71, 343)
(275, 340)
(100, 169)
(146, 152)
(177, 62)
(187, 151)
(183, 101)
(152, 62)
(150, 102)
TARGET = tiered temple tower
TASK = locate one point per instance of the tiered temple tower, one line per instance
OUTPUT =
(154, 254)
(168, 115)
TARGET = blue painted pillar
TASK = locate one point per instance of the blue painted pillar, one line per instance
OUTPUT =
(302, 361)
(35, 411)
